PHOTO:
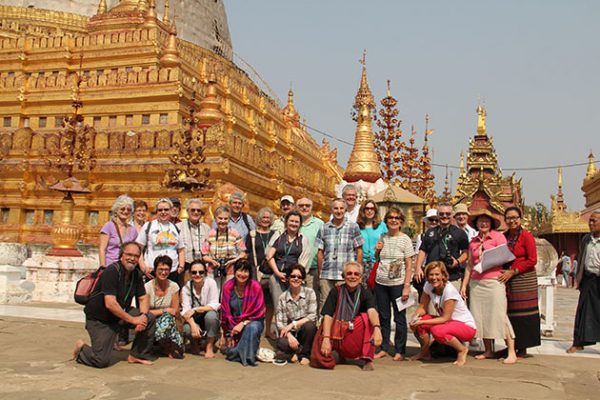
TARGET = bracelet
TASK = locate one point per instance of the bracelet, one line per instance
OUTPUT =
(294, 325)
(377, 326)
(326, 337)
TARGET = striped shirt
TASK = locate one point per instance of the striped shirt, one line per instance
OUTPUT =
(392, 270)
(290, 310)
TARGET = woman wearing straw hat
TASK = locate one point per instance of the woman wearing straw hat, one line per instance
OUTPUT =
(488, 293)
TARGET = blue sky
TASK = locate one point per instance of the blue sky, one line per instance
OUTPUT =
(535, 64)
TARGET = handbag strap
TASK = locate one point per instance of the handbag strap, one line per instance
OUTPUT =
(253, 240)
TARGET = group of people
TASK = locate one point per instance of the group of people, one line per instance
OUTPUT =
(303, 283)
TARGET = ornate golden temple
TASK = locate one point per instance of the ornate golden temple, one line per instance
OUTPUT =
(481, 184)
(136, 81)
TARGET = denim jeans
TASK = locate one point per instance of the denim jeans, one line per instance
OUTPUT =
(247, 347)
(386, 296)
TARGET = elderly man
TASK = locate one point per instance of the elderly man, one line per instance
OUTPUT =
(193, 232)
(338, 242)
(587, 317)
(446, 243)
(350, 196)
(310, 229)
(286, 204)
(110, 306)
(238, 220)
(161, 237)
(348, 303)
(461, 216)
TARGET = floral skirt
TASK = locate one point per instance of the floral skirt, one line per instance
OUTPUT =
(167, 336)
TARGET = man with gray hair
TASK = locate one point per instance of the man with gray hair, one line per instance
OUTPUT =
(350, 196)
(338, 242)
(193, 232)
(286, 204)
(310, 229)
(239, 220)
(587, 276)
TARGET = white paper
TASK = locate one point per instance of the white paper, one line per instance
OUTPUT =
(495, 257)
(404, 304)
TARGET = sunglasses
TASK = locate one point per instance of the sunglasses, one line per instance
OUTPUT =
(163, 209)
(352, 273)
(200, 273)
(295, 276)
(370, 209)
(303, 205)
(444, 214)
(395, 217)
(163, 271)
(195, 210)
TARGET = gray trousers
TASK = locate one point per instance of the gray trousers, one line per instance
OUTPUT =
(103, 336)
(208, 322)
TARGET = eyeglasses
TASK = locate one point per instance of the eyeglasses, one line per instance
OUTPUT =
(163, 209)
(295, 276)
(444, 214)
(370, 209)
(200, 273)
(125, 209)
(195, 210)
(163, 271)
(434, 220)
(511, 218)
(303, 205)
(395, 217)
(352, 273)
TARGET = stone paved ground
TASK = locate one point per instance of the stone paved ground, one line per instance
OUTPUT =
(34, 364)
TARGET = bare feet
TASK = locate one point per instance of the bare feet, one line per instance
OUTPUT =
(461, 357)
(574, 349)
(133, 360)
(510, 360)
(368, 366)
(209, 353)
(483, 356)
(304, 361)
(78, 345)
(425, 356)
(381, 354)
(398, 357)
(294, 359)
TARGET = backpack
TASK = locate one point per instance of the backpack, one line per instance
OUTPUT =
(86, 285)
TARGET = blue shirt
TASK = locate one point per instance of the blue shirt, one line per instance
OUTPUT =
(239, 225)
(371, 236)
(339, 246)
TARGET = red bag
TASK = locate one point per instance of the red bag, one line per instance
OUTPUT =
(86, 285)
(373, 275)
(318, 360)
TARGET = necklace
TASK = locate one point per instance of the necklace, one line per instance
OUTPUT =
(237, 291)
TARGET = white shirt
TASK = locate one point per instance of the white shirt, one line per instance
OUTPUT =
(461, 313)
(471, 233)
(353, 215)
(592, 256)
(163, 239)
(208, 296)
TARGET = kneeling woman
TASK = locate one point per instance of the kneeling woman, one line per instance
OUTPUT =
(242, 315)
(455, 323)
(350, 323)
(164, 304)
(297, 317)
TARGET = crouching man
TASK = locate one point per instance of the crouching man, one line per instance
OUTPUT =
(110, 306)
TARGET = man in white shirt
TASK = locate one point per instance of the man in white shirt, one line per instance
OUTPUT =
(350, 196)
(461, 216)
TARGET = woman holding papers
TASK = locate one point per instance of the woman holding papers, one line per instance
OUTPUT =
(395, 251)
(454, 325)
(487, 291)
(520, 278)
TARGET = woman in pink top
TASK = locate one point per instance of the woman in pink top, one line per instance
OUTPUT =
(488, 294)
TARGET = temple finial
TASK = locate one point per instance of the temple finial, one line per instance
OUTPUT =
(591, 169)
(166, 19)
(102, 7)
(364, 95)
(481, 116)
(462, 164)
(389, 92)
(289, 111)
(170, 56)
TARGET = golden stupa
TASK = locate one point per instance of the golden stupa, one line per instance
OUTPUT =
(135, 78)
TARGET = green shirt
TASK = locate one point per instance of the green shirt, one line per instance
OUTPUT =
(310, 231)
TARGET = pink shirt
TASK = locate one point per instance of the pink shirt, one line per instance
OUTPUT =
(493, 239)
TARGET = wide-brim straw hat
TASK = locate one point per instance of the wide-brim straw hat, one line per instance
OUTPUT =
(461, 209)
(484, 211)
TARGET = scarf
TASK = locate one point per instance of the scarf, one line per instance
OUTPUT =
(253, 306)
(348, 306)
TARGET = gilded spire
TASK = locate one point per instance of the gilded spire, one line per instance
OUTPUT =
(560, 198)
(143, 6)
(102, 7)
(364, 95)
(363, 163)
(150, 17)
(591, 169)
(462, 164)
(210, 107)
(125, 6)
(481, 115)
(289, 111)
(166, 19)
(170, 56)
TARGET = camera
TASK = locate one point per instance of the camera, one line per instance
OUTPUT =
(449, 261)
(221, 270)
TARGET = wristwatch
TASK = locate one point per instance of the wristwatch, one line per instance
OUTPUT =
(245, 323)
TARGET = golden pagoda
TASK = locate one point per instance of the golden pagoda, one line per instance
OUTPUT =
(591, 188)
(363, 163)
(138, 78)
(481, 184)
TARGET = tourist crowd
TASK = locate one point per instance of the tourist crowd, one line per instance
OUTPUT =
(316, 288)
